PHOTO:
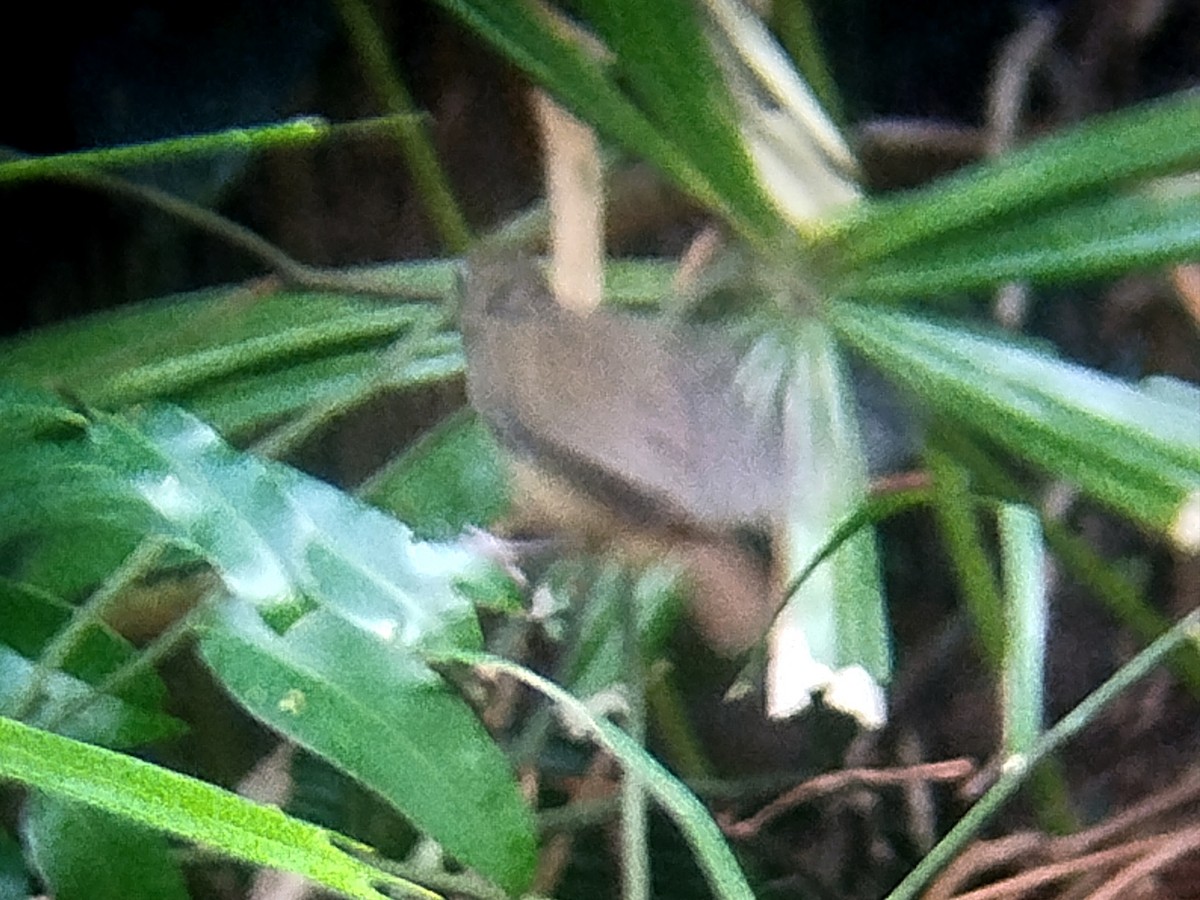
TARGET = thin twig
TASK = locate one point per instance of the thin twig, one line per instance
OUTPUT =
(1186, 631)
(372, 53)
(1135, 819)
(1044, 875)
(1171, 847)
(946, 770)
(985, 856)
(289, 270)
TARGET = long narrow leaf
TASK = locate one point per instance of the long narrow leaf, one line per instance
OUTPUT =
(1153, 139)
(190, 809)
(540, 46)
(1129, 447)
(683, 92)
(239, 359)
(1025, 599)
(1095, 238)
(86, 854)
(832, 635)
(298, 131)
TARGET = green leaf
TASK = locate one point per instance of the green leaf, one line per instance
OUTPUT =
(453, 477)
(379, 715)
(657, 601)
(86, 854)
(682, 92)
(1115, 588)
(1108, 152)
(954, 508)
(307, 557)
(183, 373)
(686, 811)
(296, 132)
(1025, 604)
(275, 534)
(65, 519)
(1095, 238)
(715, 174)
(29, 414)
(188, 808)
(245, 359)
(243, 406)
(836, 620)
(104, 720)
(1023, 678)
(330, 601)
(1129, 448)
(32, 619)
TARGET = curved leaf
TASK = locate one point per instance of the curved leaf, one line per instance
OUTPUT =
(1132, 448)
(1107, 152)
(188, 808)
(1096, 238)
(331, 600)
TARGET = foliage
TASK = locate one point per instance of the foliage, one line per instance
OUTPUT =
(329, 622)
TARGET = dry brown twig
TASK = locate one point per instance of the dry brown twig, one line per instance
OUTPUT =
(1129, 853)
(831, 782)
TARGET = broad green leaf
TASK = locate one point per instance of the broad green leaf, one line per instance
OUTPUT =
(796, 26)
(301, 550)
(1153, 139)
(66, 520)
(1130, 448)
(331, 601)
(378, 714)
(191, 809)
(275, 535)
(453, 477)
(86, 854)
(30, 414)
(84, 353)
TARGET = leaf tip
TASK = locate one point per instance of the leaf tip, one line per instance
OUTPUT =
(1185, 530)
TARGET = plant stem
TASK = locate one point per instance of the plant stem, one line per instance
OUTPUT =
(1018, 767)
(371, 49)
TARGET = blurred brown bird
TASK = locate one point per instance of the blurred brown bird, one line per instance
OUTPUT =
(627, 432)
